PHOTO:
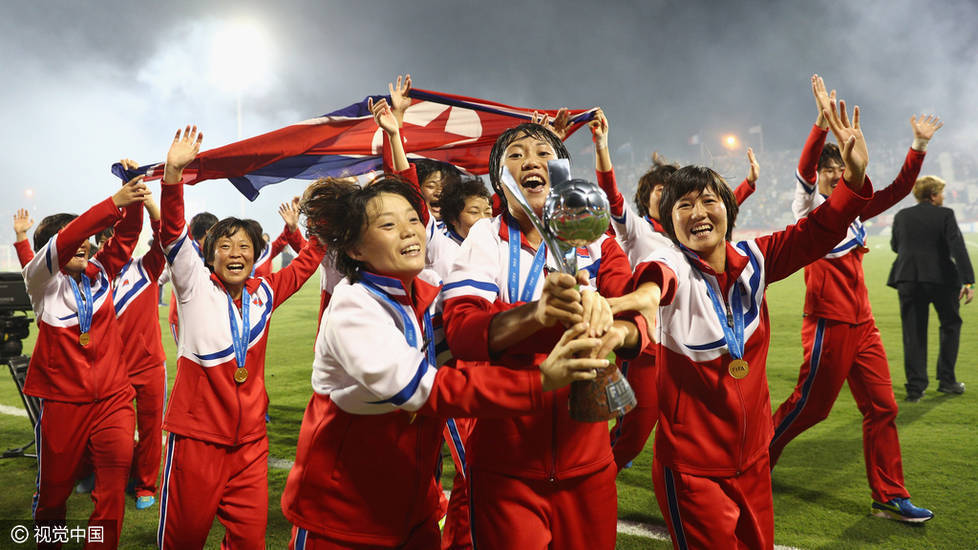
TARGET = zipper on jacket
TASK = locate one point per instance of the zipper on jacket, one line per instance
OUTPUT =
(743, 427)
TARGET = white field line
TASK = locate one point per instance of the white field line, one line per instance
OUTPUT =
(13, 411)
(645, 530)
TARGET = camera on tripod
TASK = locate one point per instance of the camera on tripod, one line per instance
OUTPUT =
(15, 305)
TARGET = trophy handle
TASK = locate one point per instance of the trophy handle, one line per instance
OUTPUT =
(552, 242)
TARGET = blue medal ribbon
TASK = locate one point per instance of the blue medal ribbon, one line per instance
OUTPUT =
(84, 302)
(240, 339)
(409, 334)
(733, 326)
(514, 266)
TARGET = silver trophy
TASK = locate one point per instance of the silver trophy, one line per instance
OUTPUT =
(576, 214)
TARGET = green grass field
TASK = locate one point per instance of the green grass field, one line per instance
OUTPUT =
(821, 497)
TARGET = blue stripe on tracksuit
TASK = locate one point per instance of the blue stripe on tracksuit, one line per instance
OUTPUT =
(37, 447)
(673, 498)
(457, 443)
(300, 538)
(807, 385)
(165, 489)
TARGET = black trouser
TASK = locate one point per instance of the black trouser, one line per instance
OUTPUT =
(915, 300)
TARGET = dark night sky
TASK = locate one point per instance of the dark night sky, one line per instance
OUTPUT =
(85, 83)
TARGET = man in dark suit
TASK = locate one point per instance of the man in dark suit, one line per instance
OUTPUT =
(932, 267)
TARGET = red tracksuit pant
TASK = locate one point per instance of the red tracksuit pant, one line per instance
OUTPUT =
(632, 430)
(72, 437)
(150, 386)
(717, 512)
(201, 480)
(837, 352)
(537, 514)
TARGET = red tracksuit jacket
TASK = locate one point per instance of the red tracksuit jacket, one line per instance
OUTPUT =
(547, 445)
(61, 369)
(206, 403)
(835, 286)
(711, 424)
(364, 462)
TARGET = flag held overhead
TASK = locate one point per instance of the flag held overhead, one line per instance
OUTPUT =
(454, 129)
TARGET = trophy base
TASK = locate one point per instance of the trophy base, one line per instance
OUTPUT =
(606, 397)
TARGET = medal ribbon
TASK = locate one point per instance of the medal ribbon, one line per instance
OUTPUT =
(409, 334)
(240, 338)
(85, 306)
(514, 266)
(734, 335)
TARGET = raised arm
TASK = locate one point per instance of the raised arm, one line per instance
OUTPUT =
(22, 223)
(814, 236)
(186, 268)
(117, 251)
(290, 233)
(154, 261)
(923, 130)
(183, 150)
(806, 175)
(286, 281)
(747, 187)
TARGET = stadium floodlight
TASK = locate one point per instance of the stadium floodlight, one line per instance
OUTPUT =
(731, 142)
(240, 57)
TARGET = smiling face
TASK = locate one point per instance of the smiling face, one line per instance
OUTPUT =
(700, 222)
(393, 241)
(77, 264)
(476, 208)
(431, 191)
(828, 177)
(234, 256)
(526, 159)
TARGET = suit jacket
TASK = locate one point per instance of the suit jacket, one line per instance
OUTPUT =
(926, 239)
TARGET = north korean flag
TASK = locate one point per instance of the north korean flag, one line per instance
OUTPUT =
(347, 142)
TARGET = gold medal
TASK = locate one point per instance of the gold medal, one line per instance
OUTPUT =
(738, 368)
(240, 375)
(84, 339)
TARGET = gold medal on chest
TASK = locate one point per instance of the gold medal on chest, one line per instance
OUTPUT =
(738, 368)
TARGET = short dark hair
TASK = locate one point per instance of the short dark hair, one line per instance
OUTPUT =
(49, 227)
(228, 227)
(200, 224)
(830, 153)
(106, 234)
(657, 174)
(454, 195)
(691, 179)
(426, 167)
(336, 213)
(527, 129)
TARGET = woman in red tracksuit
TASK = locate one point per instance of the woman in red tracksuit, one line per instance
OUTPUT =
(839, 335)
(542, 479)
(77, 369)
(710, 465)
(639, 236)
(217, 451)
(372, 432)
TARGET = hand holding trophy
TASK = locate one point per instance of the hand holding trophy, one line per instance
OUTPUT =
(576, 214)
